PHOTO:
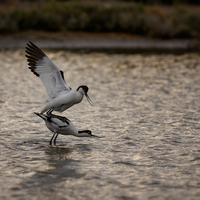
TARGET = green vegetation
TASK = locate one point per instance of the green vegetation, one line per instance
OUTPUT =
(103, 16)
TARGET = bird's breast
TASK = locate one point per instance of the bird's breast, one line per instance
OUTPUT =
(64, 101)
(70, 97)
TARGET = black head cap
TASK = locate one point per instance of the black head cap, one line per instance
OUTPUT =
(86, 131)
(84, 87)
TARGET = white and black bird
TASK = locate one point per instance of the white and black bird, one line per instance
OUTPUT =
(61, 125)
(60, 95)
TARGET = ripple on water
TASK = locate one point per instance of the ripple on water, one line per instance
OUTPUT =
(146, 108)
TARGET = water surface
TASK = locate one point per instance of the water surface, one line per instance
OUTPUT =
(147, 111)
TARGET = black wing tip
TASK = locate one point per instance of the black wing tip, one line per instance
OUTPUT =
(33, 55)
(44, 117)
(32, 48)
(38, 114)
(32, 68)
(30, 43)
(27, 55)
(36, 73)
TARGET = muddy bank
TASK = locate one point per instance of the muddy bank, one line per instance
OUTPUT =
(98, 42)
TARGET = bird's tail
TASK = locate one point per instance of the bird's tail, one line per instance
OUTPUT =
(41, 115)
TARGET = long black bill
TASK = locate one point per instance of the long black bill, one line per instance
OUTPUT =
(89, 100)
(96, 136)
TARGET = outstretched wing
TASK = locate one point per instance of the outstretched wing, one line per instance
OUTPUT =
(43, 67)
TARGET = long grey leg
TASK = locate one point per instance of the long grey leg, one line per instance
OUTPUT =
(50, 142)
(55, 139)
(49, 111)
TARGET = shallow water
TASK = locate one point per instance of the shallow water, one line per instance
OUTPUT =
(147, 111)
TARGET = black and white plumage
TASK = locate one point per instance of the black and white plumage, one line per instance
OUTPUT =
(60, 95)
(61, 125)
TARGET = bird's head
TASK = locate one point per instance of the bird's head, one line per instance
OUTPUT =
(85, 133)
(83, 89)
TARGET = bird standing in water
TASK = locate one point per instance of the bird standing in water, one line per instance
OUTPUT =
(61, 125)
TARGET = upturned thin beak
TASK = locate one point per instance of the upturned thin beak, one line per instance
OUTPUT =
(89, 100)
(96, 136)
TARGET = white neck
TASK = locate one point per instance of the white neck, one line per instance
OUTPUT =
(83, 134)
(81, 91)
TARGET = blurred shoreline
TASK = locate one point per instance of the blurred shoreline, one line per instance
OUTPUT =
(100, 17)
(103, 42)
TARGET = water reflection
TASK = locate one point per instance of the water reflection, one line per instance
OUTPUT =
(61, 163)
(60, 167)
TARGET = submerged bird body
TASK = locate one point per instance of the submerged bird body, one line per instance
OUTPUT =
(61, 125)
(60, 95)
